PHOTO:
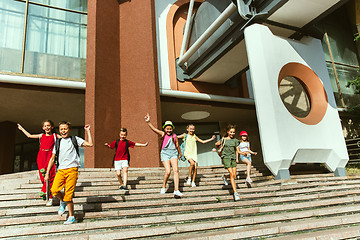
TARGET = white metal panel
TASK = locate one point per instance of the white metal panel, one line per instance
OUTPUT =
(298, 13)
(284, 138)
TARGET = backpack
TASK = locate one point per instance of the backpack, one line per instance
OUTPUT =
(182, 149)
(127, 149)
(222, 144)
(57, 149)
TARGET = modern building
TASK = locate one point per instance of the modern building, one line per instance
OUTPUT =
(108, 63)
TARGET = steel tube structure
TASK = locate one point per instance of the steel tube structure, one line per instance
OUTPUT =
(212, 28)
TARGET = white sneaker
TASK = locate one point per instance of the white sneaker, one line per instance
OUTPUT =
(224, 179)
(193, 184)
(70, 220)
(236, 196)
(188, 182)
(178, 193)
(49, 203)
(162, 191)
(249, 180)
(62, 208)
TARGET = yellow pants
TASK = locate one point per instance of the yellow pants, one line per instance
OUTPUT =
(67, 177)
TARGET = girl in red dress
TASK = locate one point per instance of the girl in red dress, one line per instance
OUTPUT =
(47, 142)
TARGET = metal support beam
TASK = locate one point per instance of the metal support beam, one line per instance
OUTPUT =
(212, 28)
(187, 28)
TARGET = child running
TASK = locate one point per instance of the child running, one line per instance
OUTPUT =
(228, 147)
(190, 152)
(67, 152)
(47, 141)
(245, 154)
(122, 156)
(170, 153)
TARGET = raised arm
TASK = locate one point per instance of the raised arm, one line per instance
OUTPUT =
(147, 120)
(217, 144)
(181, 136)
(27, 133)
(141, 144)
(89, 142)
(51, 163)
(205, 141)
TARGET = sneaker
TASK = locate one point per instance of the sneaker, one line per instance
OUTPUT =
(224, 179)
(49, 203)
(125, 188)
(248, 182)
(62, 208)
(188, 182)
(236, 196)
(193, 184)
(178, 193)
(122, 188)
(70, 220)
(162, 191)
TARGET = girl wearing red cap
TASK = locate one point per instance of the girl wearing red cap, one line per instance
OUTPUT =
(245, 154)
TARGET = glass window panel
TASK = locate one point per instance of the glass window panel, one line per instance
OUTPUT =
(77, 5)
(341, 38)
(11, 34)
(56, 43)
(345, 74)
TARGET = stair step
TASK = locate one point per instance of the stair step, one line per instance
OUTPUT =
(305, 205)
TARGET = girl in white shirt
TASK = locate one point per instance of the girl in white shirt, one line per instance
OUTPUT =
(245, 154)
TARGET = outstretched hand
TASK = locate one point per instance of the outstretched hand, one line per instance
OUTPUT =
(213, 137)
(19, 126)
(146, 144)
(106, 144)
(87, 127)
(147, 118)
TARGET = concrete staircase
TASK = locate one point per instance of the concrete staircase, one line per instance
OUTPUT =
(318, 206)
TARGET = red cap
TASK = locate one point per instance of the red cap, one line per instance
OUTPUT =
(243, 133)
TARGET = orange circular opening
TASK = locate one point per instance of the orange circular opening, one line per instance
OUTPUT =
(310, 88)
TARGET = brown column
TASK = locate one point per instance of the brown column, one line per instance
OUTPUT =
(7, 146)
(121, 79)
(102, 97)
(139, 79)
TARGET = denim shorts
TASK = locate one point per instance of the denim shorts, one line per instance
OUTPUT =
(167, 154)
(242, 157)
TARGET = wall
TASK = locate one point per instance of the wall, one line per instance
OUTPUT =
(7, 146)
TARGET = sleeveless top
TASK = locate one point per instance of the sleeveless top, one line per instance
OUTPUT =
(169, 142)
(244, 146)
(47, 142)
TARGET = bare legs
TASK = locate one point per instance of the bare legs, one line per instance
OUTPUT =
(118, 174)
(192, 169)
(167, 165)
(248, 168)
(70, 204)
(232, 172)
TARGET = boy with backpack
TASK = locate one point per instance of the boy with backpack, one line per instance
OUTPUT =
(122, 156)
(67, 159)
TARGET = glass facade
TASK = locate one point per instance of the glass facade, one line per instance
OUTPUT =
(55, 38)
(11, 34)
(345, 56)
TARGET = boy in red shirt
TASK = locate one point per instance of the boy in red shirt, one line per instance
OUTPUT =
(122, 156)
